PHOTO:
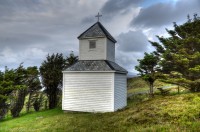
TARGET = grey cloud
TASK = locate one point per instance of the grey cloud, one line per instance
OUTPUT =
(165, 13)
(128, 61)
(132, 41)
(11, 7)
(115, 7)
(29, 29)
(130, 47)
(19, 41)
(89, 19)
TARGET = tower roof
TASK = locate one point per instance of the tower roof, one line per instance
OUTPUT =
(96, 31)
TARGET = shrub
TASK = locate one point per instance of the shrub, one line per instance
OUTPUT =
(38, 102)
(3, 110)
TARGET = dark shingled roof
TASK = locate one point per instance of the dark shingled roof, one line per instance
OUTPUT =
(95, 31)
(96, 65)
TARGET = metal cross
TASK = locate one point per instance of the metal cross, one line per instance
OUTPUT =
(98, 16)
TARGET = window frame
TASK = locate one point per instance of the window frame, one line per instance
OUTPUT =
(92, 44)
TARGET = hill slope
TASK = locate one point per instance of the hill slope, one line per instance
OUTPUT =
(137, 85)
(169, 113)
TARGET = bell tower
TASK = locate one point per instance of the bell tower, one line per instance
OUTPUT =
(96, 43)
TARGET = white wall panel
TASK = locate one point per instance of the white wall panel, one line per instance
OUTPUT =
(99, 53)
(120, 91)
(110, 51)
(89, 92)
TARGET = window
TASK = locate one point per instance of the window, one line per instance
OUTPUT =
(92, 44)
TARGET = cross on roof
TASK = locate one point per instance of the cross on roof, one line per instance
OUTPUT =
(98, 16)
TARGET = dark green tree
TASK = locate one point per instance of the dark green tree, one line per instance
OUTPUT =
(14, 85)
(51, 75)
(18, 95)
(6, 87)
(34, 85)
(148, 69)
(10, 84)
(71, 59)
(180, 54)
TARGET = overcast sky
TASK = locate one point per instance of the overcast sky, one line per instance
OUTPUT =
(30, 29)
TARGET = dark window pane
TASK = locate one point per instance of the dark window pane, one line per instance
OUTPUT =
(92, 44)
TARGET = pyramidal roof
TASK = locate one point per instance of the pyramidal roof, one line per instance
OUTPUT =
(95, 31)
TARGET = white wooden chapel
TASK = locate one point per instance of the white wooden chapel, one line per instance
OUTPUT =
(95, 83)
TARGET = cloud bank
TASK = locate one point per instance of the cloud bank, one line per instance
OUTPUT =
(30, 29)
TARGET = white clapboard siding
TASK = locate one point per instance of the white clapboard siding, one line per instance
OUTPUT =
(120, 91)
(89, 92)
(99, 53)
(110, 51)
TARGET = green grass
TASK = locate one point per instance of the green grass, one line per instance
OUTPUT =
(136, 82)
(169, 113)
(138, 85)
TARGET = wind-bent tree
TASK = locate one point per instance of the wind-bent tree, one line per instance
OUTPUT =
(51, 75)
(148, 69)
(180, 54)
(34, 85)
(15, 84)
(18, 95)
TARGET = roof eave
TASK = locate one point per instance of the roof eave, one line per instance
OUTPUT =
(92, 37)
(87, 71)
(113, 40)
(113, 71)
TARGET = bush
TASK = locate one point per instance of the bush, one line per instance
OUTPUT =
(195, 86)
(38, 102)
(3, 110)
(163, 91)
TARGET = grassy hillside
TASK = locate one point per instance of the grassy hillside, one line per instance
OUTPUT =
(136, 82)
(169, 113)
(138, 85)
